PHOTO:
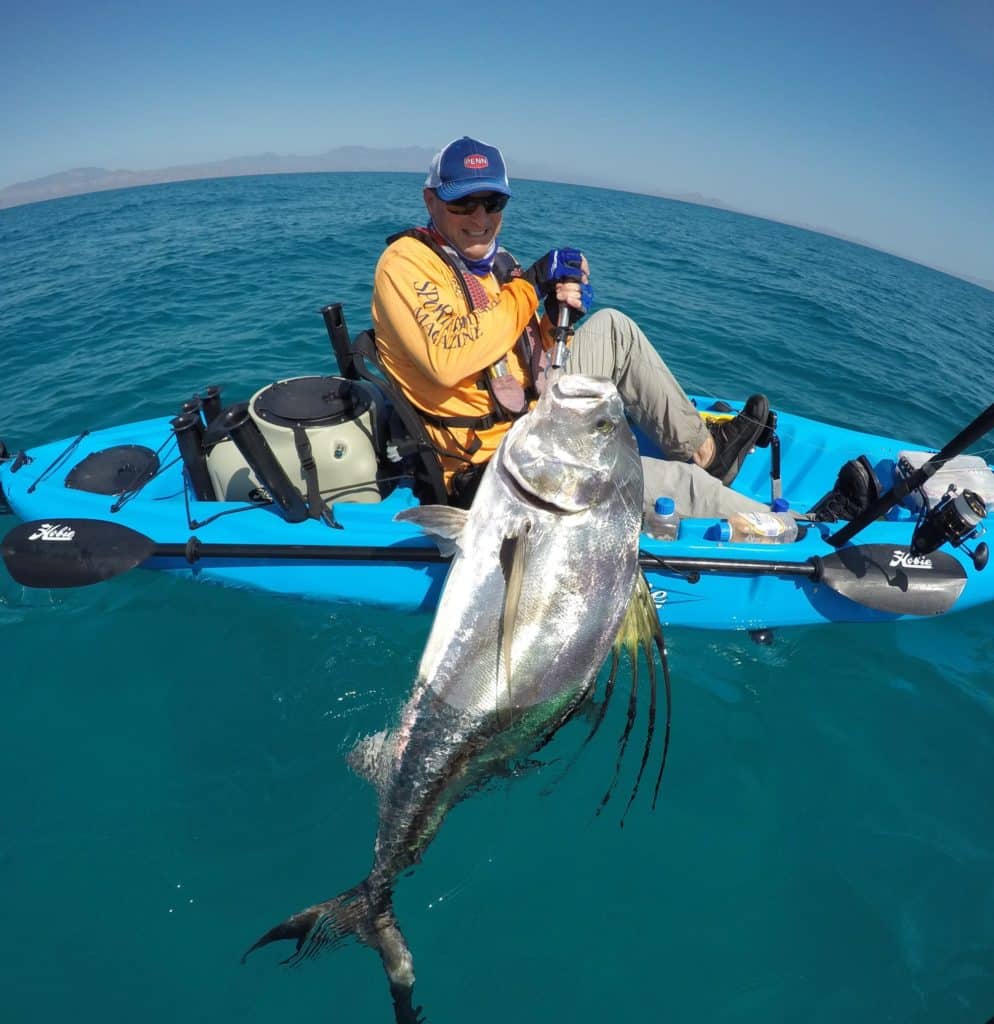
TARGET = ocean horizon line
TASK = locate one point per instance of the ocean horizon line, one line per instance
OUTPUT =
(80, 181)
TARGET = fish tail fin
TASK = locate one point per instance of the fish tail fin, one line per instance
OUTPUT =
(399, 965)
(353, 914)
(324, 926)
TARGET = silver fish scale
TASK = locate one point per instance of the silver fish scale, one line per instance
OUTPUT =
(467, 711)
(579, 571)
(547, 567)
(575, 580)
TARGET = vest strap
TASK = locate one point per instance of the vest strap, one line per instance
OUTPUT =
(509, 399)
(315, 506)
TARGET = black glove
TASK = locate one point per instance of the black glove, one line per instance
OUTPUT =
(555, 265)
(559, 265)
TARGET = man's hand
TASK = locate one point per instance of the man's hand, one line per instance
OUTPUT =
(562, 276)
(574, 292)
(555, 266)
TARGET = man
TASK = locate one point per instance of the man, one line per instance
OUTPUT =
(458, 328)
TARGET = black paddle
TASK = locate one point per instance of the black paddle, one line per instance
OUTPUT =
(970, 433)
(76, 552)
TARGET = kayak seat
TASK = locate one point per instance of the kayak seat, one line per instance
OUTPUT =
(408, 442)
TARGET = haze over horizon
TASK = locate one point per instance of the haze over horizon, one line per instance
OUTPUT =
(872, 124)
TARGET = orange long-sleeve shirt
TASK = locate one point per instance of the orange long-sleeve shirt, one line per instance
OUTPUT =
(436, 348)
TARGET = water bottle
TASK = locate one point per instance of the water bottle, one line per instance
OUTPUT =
(662, 522)
(756, 528)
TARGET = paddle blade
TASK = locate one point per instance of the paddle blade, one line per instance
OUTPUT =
(72, 552)
(888, 579)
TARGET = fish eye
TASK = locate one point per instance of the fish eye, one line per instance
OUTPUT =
(604, 426)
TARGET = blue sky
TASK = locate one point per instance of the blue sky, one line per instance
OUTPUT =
(872, 119)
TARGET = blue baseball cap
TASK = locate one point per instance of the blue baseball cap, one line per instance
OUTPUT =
(465, 166)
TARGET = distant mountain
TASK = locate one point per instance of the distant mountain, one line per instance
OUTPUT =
(80, 180)
(99, 179)
(344, 158)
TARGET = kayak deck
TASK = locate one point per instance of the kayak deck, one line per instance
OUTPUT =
(809, 455)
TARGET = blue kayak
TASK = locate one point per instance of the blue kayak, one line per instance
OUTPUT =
(309, 512)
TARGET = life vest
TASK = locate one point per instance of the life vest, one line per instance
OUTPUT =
(507, 396)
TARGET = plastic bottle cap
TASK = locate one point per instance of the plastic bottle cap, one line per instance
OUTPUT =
(665, 506)
(721, 530)
(780, 505)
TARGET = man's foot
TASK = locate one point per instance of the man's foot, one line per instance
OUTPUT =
(734, 438)
(856, 488)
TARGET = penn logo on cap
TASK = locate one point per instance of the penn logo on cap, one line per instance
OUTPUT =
(465, 166)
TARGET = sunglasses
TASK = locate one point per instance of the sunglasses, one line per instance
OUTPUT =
(491, 204)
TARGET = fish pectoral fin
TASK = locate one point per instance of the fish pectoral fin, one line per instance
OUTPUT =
(370, 758)
(513, 556)
(442, 522)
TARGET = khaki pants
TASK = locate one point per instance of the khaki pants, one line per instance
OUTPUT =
(611, 345)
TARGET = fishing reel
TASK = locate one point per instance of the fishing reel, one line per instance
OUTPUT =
(955, 519)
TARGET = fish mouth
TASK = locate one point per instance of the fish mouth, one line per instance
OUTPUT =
(575, 388)
(524, 493)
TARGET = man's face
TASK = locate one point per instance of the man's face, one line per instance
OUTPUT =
(465, 222)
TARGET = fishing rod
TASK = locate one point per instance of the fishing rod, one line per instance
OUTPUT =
(79, 552)
(562, 336)
(971, 433)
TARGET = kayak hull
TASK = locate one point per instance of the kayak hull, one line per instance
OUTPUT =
(163, 509)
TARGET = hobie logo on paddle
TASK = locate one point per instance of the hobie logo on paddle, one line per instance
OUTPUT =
(53, 531)
(908, 561)
(475, 162)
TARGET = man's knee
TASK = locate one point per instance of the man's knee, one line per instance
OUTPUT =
(607, 330)
(610, 321)
(607, 345)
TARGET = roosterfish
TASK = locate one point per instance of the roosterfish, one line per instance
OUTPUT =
(544, 583)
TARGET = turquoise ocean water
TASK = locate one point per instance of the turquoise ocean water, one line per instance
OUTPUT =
(172, 778)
